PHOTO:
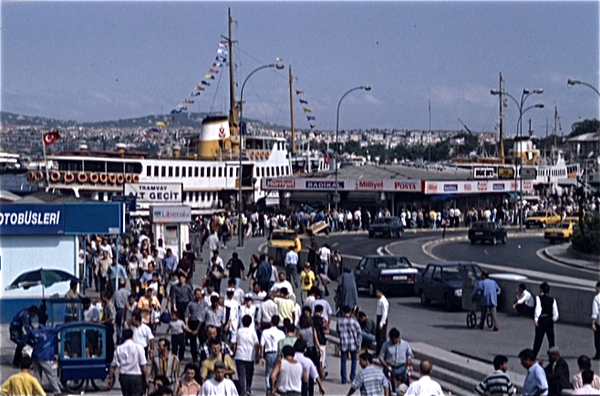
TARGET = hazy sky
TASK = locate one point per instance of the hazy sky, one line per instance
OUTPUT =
(92, 61)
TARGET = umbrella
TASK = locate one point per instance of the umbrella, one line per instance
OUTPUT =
(41, 276)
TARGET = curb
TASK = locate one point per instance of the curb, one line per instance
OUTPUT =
(569, 262)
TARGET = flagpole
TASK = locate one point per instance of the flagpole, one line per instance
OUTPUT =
(45, 158)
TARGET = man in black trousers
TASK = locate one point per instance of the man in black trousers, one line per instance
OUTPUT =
(130, 358)
(546, 313)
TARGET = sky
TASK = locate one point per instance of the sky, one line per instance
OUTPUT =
(95, 61)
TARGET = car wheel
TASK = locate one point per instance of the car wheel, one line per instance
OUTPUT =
(472, 241)
(371, 289)
(504, 240)
(424, 300)
(73, 386)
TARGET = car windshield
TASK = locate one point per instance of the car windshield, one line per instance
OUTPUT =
(480, 226)
(393, 262)
(451, 273)
(283, 236)
(384, 220)
(563, 225)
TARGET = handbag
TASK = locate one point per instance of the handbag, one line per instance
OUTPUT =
(165, 317)
(217, 273)
(155, 316)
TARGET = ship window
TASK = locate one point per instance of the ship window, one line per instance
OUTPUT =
(220, 172)
(94, 166)
(148, 170)
(273, 171)
(196, 196)
(170, 171)
(203, 196)
(268, 172)
(201, 172)
(277, 170)
(287, 170)
(214, 172)
(183, 172)
(230, 172)
(156, 171)
(163, 171)
(189, 171)
(114, 167)
(237, 171)
(196, 172)
(176, 171)
(133, 167)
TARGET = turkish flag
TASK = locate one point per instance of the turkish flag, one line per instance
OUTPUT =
(50, 137)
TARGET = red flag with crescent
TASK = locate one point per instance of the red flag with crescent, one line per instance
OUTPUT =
(50, 137)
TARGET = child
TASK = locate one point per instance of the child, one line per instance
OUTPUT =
(176, 329)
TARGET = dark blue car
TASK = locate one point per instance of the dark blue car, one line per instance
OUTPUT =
(386, 227)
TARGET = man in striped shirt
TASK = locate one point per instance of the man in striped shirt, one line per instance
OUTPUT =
(498, 383)
(370, 381)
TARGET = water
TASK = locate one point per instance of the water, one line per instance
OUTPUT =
(15, 183)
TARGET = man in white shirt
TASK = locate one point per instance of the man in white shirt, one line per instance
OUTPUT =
(525, 303)
(162, 252)
(142, 335)
(383, 307)
(219, 385)
(248, 308)
(90, 312)
(425, 385)
(131, 361)
(281, 283)
(546, 313)
(232, 321)
(246, 353)
(596, 321)
(587, 376)
(325, 257)
(291, 266)
(213, 242)
(268, 343)
(309, 367)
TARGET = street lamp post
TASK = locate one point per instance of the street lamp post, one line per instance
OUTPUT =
(336, 198)
(572, 82)
(278, 65)
(520, 104)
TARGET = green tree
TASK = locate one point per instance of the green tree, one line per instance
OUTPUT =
(585, 126)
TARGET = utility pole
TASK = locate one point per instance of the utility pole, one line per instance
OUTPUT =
(429, 103)
(501, 136)
(292, 111)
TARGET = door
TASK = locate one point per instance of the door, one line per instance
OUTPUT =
(369, 271)
(172, 238)
(437, 286)
(358, 273)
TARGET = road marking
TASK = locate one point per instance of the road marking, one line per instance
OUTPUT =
(380, 251)
(566, 280)
(486, 252)
(334, 244)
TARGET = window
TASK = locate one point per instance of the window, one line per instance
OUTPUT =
(287, 170)
(72, 344)
(176, 171)
(437, 274)
(214, 172)
(230, 172)
(189, 172)
(273, 171)
(268, 172)
(277, 170)
(237, 171)
(196, 172)
(133, 167)
(114, 167)
(220, 171)
(170, 171)
(156, 171)
(201, 172)
(203, 196)
(148, 170)
(93, 344)
(94, 166)
(163, 171)
(183, 172)
(196, 196)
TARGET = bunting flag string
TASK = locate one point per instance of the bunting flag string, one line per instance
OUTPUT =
(217, 64)
(307, 110)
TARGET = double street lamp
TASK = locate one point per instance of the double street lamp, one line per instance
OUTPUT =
(279, 66)
(336, 197)
(520, 106)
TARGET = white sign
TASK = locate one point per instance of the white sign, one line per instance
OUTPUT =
(483, 173)
(153, 193)
(303, 184)
(472, 187)
(170, 214)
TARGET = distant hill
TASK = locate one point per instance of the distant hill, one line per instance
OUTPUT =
(193, 120)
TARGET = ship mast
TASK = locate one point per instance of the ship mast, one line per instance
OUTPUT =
(501, 136)
(292, 111)
(233, 109)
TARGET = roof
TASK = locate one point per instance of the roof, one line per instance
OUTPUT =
(453, 264)
(586, 137)
(367, 172)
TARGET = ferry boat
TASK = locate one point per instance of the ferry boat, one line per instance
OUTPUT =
(11, 163)
(208, 167)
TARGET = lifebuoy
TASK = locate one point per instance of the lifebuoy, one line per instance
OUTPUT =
(40, 175)
(136, 178)
(112, 178)
(252, 155)
(128, 178)
(120, 178)
(262, 155)
(82, 178)
(69, 177)
(267, 153)
(94, 177)
(55, 176)
(31, 176)
(103, 178)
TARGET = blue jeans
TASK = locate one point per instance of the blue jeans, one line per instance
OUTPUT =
(367, 339)
(270, 360)
(344, 355)
(397, 372)
(325, 267)
(89, 276)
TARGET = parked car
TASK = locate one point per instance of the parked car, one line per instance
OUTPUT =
(386, 226)
(562, 231)
(543, 219)
(484, 231)
(443, 283)
(390, 273)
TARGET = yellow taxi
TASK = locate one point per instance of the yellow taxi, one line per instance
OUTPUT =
(280, 242)
(562, 231)
(542, 219)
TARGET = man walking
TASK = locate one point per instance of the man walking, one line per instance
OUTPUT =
(535, 382)
(246, 354)
(291, 266)
(181, 294)
(19, 329)
(546, 313)
(382, 315)
(263, 273)
(192, 324)
(347, 289)
(269, 341)
(120, 301)
(498, 383)
(425, 385)
(22, 383)
(487, 290)
(165, 363)
(130, 359)
(43, 339)
(370, 380)
(395, 357)
(596, 321)
(350, 340)
(109, 314)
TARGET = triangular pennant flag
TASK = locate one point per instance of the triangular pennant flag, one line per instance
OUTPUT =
(220, 59)
(188, 101)
(303, 101)
(299, 92)
(194, 93)
(310, 118)
(223, 44)
(222, 51)
(307, 109)
(212, 70)
(204, 83)
(209, 76)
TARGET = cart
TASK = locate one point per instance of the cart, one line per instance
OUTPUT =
(82, 357)
(472, 304)
(472, 314)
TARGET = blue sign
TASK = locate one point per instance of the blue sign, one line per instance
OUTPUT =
(324, 185)
(451, 187)
(129, 200)
(498, 187)
(25, 219)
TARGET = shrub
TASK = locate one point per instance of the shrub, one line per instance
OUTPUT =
(587, 240)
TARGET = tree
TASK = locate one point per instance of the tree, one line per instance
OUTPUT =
(585, 126)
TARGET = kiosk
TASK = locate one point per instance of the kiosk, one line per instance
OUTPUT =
(171, 224)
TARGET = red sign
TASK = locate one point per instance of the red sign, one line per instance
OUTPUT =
(50, 137)
(404, 186)
(369, 185)
(432, 187)
(467, 187)
(482, 186)
(222, 133)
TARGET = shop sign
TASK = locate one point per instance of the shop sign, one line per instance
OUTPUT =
(483, 173)
(376, 185)
(154, 193)
(280, 183)
(450, 187)
(170, 214)
(498, 187)
(20, 219)
(482, 186)
(323, 185)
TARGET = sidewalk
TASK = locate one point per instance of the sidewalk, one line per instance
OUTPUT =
(565, 255)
